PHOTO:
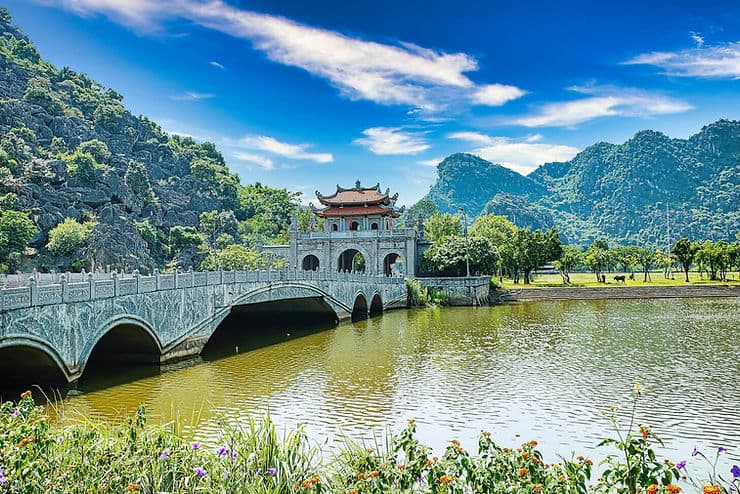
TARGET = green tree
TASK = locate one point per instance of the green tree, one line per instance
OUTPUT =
(647, 257)
(304, 221)
(447, 257)
(184, 237)
(215, 223)
(234, 257)
(137, 179)
(441, 226)
(598, 258)
(570, 259)
(68, 236)
(16, 230)
(82, 166)
(97, 149)
(496, 228)
(39, 92)
(535, 248)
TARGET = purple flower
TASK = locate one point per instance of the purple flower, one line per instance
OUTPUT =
(721, 450)
(271, 472)
(3, 478)
(223, 451)
(200, 472)
(195, 446)
(681, 465)
(735, 471)
(164, 455)
(259, 472)
(695, 452)
(16, 413)
(234, 454)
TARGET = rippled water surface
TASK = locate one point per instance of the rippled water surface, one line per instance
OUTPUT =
(539, 370)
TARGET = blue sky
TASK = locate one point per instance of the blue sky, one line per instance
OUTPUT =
(305, 95)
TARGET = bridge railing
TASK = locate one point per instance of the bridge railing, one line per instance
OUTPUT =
(52, 288)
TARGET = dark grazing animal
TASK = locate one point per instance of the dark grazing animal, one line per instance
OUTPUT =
(619, 277)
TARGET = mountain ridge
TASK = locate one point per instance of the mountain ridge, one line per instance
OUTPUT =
(616, 191)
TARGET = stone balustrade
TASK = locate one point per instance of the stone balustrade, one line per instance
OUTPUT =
(51, 288)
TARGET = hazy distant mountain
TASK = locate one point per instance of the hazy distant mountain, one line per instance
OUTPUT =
(615, 191)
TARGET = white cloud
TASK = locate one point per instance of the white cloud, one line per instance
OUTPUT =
(216, 64)
(715, 61)
(475, 137)
(522, 156)
(392, 140)
(400, 73)
(603, 101)
(496, 94)
(431, 162)
(698, 39)
(292, 151)
(534, 138)
(191, 96)
(261, 161)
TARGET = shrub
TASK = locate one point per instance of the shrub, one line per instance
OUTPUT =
(82, 166)
(17, 228)
(137, 180)
(68, 236)
(95, 148)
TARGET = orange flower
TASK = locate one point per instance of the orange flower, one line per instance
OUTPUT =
(25, 394)
(25, 441)
(370, 450)
(525, 454)
(401, 467)
(645, 433)
(673, 489)
(523, 472)
(429, 463)
(374, 473)
(538, 488)
(561, 478)
(711, 489)
(580, 458)
(455, 442)
(589, 462)
(506, 450)
(133, 488)
(652, 489)
(446, 479)
(533, 443)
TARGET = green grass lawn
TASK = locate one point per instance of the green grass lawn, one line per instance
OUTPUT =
(589, 279)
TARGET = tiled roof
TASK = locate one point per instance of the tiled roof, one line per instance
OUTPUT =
(334, 211)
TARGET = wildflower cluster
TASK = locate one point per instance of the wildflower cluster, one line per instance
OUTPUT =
(39, 457)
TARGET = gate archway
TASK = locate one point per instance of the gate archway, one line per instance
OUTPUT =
(310, 263)
(389, 261)
(351, 260)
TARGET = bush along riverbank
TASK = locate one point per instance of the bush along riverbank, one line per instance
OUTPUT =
(38, 456)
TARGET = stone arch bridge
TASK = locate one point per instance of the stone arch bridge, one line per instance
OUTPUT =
(56, 325)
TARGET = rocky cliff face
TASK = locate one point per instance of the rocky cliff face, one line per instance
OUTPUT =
(70, 149)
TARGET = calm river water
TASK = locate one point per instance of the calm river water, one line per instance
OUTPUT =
(540, 370)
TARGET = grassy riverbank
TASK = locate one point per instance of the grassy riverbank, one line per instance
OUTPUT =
(589, 280)
(37, 456)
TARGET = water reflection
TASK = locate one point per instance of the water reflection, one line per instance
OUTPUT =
(533, 370)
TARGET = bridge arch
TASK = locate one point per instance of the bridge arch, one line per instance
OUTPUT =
(359, 307)
(348, 257)
(124, 339)
(388, 262)
(376, 305)
(31, 361)
(310, 263)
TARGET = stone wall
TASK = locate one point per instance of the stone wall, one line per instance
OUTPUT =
(474, 290)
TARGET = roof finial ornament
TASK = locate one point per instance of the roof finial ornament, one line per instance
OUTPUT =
(358, 186)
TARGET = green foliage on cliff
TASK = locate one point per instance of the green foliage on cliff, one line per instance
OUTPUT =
(68, 236)
(620, 192)
(70, 149)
